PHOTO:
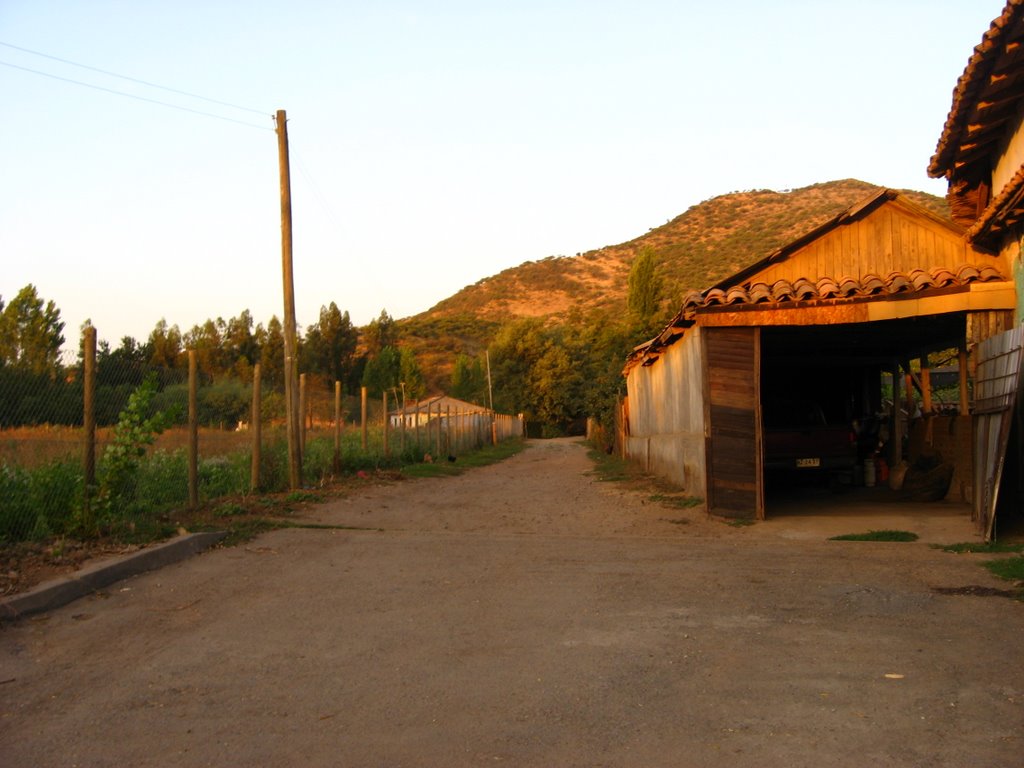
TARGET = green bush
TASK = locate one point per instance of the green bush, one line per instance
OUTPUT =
(225, 475)
(36, 503)
(162, 480)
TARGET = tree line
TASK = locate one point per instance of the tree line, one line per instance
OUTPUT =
(556, 373)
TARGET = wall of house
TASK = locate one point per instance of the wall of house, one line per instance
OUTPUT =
(666, 416)
(1010, 158)
(889, 239)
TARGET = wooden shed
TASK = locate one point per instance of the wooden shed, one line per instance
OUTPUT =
(882, 284)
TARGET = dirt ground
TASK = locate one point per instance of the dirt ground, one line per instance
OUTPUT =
(527, 614)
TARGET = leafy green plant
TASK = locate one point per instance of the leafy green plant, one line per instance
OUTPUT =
(117, 495)
(877, 536)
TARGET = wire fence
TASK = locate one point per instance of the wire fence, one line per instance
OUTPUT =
(112, 447)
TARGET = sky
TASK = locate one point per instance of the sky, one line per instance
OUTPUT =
(433, 144)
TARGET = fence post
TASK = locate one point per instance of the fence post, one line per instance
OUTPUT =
(337, 426)
(401, 435)
(386, 430)
(417, 425)
(302, 413)
(362, 398)
(193, 431)
(89, 419)
(256, 425)
(437, 454)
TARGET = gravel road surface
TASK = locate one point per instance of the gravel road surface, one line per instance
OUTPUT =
(527, 614)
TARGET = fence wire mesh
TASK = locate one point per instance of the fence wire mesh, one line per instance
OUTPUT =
(140, 411)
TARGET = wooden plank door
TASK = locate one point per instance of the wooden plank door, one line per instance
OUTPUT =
(733, 412)
(996, 382)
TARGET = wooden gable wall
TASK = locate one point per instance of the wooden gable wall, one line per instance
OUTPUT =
(891, 238)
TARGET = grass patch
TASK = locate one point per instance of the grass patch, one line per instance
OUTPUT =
(677, 502)
(442, 467)
(611, 469)
(877, 536)
(739, 522)
(1009, 568)
(985, 547)
(300, 497)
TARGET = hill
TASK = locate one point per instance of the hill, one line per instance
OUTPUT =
(706, 243)
(697, 248)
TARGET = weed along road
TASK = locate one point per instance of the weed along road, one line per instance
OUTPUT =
(526, 614)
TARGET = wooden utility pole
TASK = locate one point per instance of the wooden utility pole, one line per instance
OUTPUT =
(256, 426)
(291, 385)
(193, 430)
(89, 418)
(337, 427)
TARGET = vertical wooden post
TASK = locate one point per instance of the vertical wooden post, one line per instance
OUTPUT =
(386, 429)
(896, 430)
(909, 393)
(417, 425)
(291, 396)
(89, 418)
(490, 390)
(256, 425)
(303, 407)
(437, 453)
(362, 398)
(965, 403)
(337, 426)
(401, 435)
(193, 430)
(448, 434)
(926, 399)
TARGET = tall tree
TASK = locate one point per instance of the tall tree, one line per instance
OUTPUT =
(330, 345)
(31, 335)
(380, 333)
(646, 287)
(469, 381)
(383, 372)
(206, 340)
(165, 343)
(125, 365)
(410, 376)
(271, 341)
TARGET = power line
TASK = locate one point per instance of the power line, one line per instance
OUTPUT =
(135, 96)
(132, 79)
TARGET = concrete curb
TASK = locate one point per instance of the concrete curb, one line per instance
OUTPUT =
(61, 591)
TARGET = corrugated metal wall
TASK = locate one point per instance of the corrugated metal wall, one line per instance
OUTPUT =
(667, 415)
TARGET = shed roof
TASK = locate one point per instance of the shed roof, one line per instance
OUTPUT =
(856, 212)
(744, 291)
(442, 401)
(987, 95)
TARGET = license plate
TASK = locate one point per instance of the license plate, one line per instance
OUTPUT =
(808, 463)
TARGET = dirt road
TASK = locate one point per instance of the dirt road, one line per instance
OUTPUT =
(526, 614)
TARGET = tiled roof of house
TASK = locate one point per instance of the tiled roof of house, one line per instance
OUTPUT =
(805, 292)
(1004, 211)
(802, 289)
(986, 95)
